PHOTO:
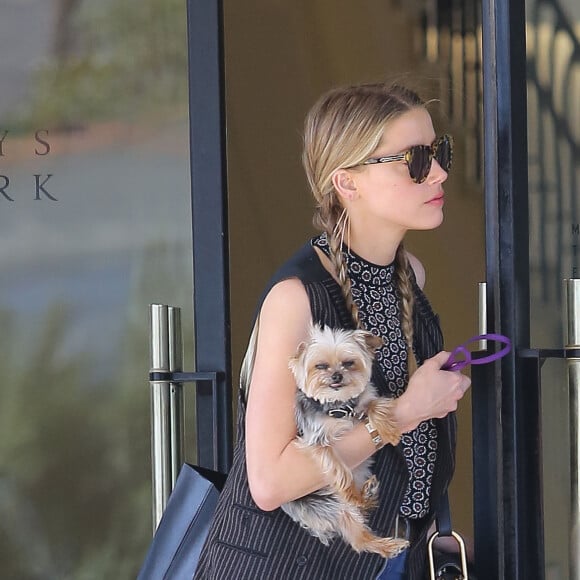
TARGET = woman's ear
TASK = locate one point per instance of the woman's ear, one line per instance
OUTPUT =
(344, 184)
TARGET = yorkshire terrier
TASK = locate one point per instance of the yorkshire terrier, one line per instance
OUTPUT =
(333, 369)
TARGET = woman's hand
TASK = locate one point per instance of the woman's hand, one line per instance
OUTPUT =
(431, 393)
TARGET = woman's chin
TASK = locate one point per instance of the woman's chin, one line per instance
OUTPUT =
(432, 222)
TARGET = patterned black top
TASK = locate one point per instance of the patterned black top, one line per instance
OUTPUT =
(375, 294)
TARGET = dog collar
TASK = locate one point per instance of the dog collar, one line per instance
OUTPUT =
(345, 410)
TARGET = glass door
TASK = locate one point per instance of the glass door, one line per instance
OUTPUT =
(95, 224)
(553, 88)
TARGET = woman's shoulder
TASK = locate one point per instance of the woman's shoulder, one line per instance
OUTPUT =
(304, 284)
(286, 295)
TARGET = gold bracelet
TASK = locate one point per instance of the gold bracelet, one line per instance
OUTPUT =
(375, 437)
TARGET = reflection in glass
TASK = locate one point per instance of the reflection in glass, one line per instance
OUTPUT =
(553, 74)
(95, 225)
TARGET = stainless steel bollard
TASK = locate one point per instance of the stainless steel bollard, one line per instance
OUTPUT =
(482, 313)
(572, 340)
(167, 413)
(160, 405)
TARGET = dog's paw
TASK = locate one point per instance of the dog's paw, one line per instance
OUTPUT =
(390, 547)
(370, 488)
(370, 493)
(380, 413)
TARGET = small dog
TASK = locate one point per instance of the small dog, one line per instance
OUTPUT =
(333, 372)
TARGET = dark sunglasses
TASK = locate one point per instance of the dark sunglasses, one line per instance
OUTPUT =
(419, 158)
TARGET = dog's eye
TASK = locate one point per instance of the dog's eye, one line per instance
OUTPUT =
(348, 364)
(321, 366)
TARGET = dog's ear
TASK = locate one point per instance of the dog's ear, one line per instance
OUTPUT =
(369, 340)
(294, 362)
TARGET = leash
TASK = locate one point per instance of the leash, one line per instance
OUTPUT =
(461, 356)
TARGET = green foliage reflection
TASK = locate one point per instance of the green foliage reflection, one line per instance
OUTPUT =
(69, 499)
(111, 58)
(75, 471)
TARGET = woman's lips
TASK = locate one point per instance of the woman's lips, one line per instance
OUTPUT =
(439, 199)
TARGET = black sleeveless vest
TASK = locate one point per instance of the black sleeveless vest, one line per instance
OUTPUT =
(246, 543)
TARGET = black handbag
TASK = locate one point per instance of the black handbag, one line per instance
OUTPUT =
(447, 565)
(177, 543)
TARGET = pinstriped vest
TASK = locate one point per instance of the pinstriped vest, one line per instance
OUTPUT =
(246, 543)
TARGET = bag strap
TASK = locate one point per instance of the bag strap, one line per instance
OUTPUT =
(443, 518)
(443, 523)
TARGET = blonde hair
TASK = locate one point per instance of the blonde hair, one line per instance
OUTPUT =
(342, 130)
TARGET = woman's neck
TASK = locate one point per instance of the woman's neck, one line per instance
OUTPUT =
(378, 248)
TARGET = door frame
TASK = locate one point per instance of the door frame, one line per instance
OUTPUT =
(508, 499)
(209, 204)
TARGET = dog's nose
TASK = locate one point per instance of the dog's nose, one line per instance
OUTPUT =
(336, 377)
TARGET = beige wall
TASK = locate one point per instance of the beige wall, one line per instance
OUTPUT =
(280, 56)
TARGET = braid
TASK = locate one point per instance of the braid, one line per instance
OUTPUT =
(405, 289)
(339, 263)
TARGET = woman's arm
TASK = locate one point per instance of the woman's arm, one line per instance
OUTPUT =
(277, 471)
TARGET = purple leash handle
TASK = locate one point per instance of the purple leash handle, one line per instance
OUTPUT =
(462, 350)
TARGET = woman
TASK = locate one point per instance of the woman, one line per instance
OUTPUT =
(376, 171)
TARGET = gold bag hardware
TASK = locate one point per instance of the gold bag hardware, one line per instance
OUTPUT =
(459, 540)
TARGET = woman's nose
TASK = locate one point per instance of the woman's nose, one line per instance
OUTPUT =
(437, 174)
